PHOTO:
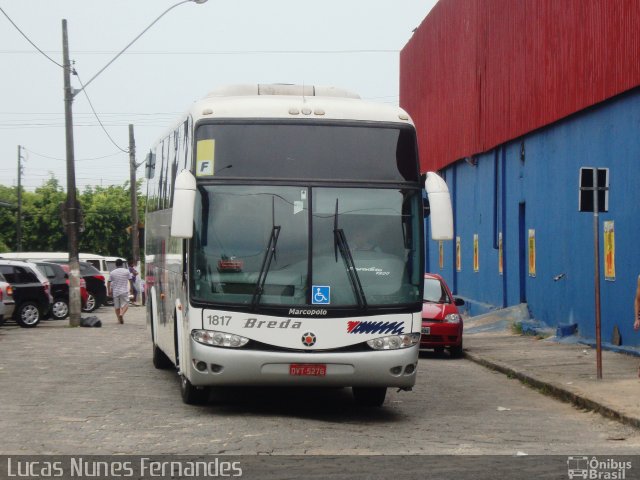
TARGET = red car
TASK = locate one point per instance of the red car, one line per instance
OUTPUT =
(441, 322)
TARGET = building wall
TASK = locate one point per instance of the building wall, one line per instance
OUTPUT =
(537, 175)
(478, 73)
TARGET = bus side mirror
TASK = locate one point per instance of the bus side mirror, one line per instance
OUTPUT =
(184, 202)
(150, 165)
(441, 213)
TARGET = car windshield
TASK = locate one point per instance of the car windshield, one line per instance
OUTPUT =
(434, 291)
(277, 245)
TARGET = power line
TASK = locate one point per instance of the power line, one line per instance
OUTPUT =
(77, 160)
(84, 90)
(218, 52)
(29, 40)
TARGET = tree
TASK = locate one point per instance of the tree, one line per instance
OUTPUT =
(106, 212)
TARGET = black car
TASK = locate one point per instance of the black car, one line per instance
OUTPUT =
(96, 287)
(59, 280)
(31, 291)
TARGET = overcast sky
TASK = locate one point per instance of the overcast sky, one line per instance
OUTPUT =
(353, 44)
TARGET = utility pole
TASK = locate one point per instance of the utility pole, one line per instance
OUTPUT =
(135, 246)
(19, 219)
(71, 208)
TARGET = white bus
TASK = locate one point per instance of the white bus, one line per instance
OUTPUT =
(284, 242)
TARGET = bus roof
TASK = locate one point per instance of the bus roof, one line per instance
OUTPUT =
(284, 101)
(293, 102)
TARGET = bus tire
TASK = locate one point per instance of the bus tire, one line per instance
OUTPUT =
(369, 396)
(192, 395)
(160, 360)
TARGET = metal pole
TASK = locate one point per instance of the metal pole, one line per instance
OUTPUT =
(72, 225)
(19, 219)
(596, 243)
(135, 247)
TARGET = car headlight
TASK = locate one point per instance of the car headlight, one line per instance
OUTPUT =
(218, 339)
(452, 318)
(394, 342)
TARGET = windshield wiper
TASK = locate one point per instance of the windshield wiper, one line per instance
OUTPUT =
(340, 243)
(269, 255)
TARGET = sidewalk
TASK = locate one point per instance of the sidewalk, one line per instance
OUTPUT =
(564, 370)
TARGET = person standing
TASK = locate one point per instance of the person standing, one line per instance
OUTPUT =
(134, 284)
(119, 289)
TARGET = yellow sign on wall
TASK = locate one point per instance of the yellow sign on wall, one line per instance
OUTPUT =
(458, 255)
(532, 252)
(476, 253)
(441, 254)
(609, 251)
(500, 257)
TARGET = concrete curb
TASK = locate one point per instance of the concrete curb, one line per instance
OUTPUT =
(555, 391)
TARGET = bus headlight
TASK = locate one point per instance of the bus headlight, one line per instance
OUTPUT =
(394, 342)
(218, 339)
(452, 318)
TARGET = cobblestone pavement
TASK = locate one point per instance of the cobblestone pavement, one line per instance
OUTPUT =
(94, 391)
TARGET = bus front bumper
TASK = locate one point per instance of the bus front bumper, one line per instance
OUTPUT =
(227, 366)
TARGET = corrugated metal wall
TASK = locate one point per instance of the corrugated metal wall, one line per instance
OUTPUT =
(541, 189)
(478, 73)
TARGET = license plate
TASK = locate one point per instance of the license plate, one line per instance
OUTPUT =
(308, 369)
(426, 330)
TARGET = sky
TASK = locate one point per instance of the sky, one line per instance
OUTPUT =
(194, 48)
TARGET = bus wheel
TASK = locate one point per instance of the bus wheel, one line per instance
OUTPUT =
(160, 360)
(192, 395)
(369, 396)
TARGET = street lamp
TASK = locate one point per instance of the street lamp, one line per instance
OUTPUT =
(72, 203)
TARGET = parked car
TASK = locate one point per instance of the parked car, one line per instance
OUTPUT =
(95, 284)
(7, 304)
(58, 277)
(442, 324)
(31, 291)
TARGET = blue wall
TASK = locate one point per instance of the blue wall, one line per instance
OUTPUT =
(538, 175)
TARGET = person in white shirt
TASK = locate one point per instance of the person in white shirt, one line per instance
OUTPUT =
(119, 289)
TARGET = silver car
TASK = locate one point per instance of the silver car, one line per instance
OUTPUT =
(7, 305)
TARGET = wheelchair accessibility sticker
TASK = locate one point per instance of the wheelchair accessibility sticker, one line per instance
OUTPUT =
(321, 295)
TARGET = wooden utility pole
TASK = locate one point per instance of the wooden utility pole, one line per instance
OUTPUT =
(19, 219)
(71, 207)
(135, 246)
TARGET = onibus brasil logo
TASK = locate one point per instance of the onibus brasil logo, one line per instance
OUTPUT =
(595, 468)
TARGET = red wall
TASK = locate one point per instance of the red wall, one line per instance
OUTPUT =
(478, 73)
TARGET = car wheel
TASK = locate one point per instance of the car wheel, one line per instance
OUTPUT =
(369, 396)
(60, 309)
(192, 395)
(456, 352)
(28, 315)
(160, 360)
(92, 304)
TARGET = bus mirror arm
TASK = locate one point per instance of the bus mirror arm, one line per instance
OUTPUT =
(184, 199)
(440, 211)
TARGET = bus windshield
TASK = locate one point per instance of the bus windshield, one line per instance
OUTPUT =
(277, 245)
(314, 151)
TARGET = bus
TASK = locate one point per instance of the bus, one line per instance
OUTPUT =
(256, 200)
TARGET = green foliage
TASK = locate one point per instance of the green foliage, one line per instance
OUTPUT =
(106, 212)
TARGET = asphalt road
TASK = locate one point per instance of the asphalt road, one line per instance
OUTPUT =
(94, 391)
